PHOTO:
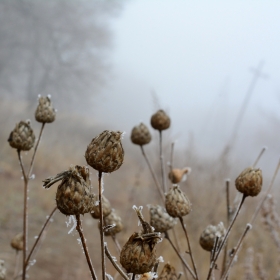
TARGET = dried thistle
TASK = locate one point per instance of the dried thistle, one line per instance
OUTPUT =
(168, 273)
(138, 255)
(105, 152)
(176, 174)
(160, 219)
(73, 195)
(249, 182)
(113, 223)
(160, 120)
(17, 242)
(140, 135)
(177, 203)
(106, 208)
(209, 235)
(22, 137)
(45, 113)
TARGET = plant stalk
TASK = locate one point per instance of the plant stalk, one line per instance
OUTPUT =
(161, 162)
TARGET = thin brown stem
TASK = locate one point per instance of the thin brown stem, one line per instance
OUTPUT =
(80, 231)
(114, 263)
(266, 194)
(39, 236)
(161, 162)
(179, 255)
(248, 227)
(189, 247)
(259, 156)
(153, 174)
(171, 156)
(101, 226)
(116, 243)
(225, 238)
(133, 276)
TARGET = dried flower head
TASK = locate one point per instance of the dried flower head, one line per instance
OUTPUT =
(176, 174)
(105, 152)
(138, 255)
(45, 113)
(73, 195)
(113, 224)
(17, 242)
(177, 203)
(249, 182)
(106, 207)
(209, 235)
(160, 120)
(2, 270)
(140, 135)
(160, 219)
(22, 137)
(168, 273)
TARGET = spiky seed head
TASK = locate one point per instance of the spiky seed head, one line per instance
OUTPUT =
(168, 273)
(176, 174)
(209, 235)
(17, 242)
(140, 135)
(2, 270)
(249, 182)
(106, 207)
(160, 219)
(113, 219)
(22, 137)
(73, 194)
(45, 113)
(105, 152)
(177, 203)
(160, 120)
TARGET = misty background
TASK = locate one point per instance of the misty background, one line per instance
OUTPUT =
(114, 63)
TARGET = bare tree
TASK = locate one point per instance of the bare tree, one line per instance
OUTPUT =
(54, 47)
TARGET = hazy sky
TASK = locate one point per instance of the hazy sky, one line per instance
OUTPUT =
(196, 56)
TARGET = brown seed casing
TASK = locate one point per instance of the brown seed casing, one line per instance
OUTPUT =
(106, 206)
(45, 113)
(177, 203)
(160, 120)
(17, 242)
(176, 175)
(249, 182)
(22, 137)
(113, 219)
(168, 273)
(140, 135)
(105, 152)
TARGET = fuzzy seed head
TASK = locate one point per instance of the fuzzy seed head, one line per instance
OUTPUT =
(140, 135)
(105, 152)
(208, 236)
(249, 182)
(17, 242)
(160, 219)
(106, 207)
(168, 273)
(45, 113)
(177, 203)
(22, 137)
(160, 120)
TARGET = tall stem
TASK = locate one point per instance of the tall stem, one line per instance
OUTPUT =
(189, 245)
(80, 231)
(101, 226)
(153, 175)
(161, 162)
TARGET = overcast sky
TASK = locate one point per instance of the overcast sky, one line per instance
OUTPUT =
(196, 56)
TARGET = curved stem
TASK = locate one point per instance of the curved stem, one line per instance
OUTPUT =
(153, 174)
(101, 225)
(39, 236)
(189, 245)
(80, 231)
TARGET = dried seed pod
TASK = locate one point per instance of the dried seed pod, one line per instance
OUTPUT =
(17, 242)
(2, 270)
(106, 207)
(45, 113)
(160, 219)
(249, 182)
(22, 137)
(160, 120)
(177, 203)
(138, 255)
(176, 175)
(168, 273)
(113, 219)
(140, 135)
(209, 235)
(105, 152)
(73, 195)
